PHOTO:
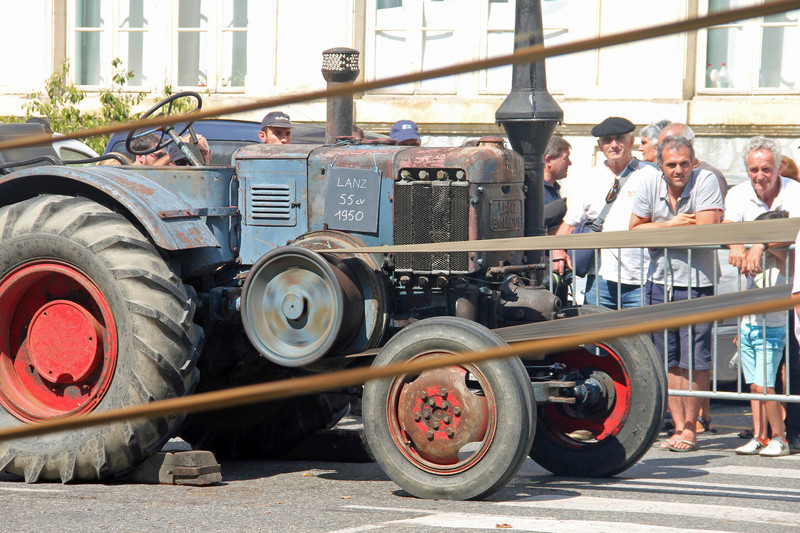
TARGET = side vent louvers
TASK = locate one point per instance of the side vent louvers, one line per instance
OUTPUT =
(271, 204)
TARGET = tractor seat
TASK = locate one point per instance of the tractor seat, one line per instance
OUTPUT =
(31, 156)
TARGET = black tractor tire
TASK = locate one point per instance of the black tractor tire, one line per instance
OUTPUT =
(616, 440)
(65, 254)
(262, 430)
(401, 445)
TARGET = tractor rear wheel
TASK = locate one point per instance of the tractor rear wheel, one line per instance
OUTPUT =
(612, 434)
(458, 432)
(91, 319)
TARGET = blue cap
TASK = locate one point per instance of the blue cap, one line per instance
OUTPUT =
(404, 130)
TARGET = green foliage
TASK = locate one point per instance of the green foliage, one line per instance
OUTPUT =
(60, 104)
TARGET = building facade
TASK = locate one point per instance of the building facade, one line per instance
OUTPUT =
(729, 82)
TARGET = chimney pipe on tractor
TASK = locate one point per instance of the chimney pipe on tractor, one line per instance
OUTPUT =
(339, 66)
(529, 115)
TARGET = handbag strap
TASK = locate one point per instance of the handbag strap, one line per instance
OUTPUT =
(597, 225)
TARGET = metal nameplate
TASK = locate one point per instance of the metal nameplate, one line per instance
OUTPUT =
(351, 200)
(506, 215)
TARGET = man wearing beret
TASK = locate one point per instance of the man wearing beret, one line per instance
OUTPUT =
(613, 182)
(276, 128)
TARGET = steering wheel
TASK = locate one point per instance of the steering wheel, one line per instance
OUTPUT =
(167, 133)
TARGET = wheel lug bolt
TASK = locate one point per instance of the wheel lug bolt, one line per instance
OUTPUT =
(443, 393)
(446, 405)
(416, 416)
(435, 425)
(429, 434)
(432, 401)
(457, 411)
(423, 396)
(449, 432)
(446, 420)
(427, 415)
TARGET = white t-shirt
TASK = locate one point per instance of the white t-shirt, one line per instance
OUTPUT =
(769, 277)
(743, 205)
(589, 201)
(625, 263)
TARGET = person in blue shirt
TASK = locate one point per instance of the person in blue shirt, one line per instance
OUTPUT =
(556, 165)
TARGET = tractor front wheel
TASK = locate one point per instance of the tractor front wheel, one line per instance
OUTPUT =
(457, 432)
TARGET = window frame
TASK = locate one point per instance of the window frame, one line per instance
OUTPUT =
(753, 43)
(414, 38)
(163, 28)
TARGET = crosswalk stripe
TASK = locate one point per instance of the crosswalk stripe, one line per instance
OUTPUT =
(717, 512)
(518, 523)
(27, 489)
(756, 471)
(665, 486)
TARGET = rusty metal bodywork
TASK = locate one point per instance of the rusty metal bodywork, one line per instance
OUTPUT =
(183, 210)
(420, 195)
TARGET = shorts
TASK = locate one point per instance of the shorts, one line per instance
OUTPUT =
(752, 353)
(678, 344)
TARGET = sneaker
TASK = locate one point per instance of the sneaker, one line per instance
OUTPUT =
(776, 447)
(751, 448)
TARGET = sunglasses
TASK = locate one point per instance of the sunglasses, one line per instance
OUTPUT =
(612, 194)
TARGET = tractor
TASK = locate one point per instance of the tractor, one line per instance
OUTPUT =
(122, 285)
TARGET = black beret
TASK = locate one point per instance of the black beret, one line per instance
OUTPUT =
(613, 126)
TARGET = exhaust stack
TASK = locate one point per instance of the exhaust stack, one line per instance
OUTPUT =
(339, 66)
(529, 115)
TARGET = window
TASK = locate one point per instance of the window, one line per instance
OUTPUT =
(183, 43)
(751, 55)
(413, 35)
(499, 41)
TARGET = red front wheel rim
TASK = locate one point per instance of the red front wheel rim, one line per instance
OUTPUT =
(59, 342)
(590, 429)
(443, 421)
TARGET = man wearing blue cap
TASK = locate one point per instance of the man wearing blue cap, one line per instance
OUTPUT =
(406, 133)
(276, 128)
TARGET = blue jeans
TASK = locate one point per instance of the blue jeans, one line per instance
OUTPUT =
(602, 292)
(755, 354)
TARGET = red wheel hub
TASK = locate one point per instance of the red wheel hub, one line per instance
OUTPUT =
(573, 429)
(59, 345)
(441, 422)
(55, 326)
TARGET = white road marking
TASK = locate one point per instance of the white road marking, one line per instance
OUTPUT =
(689, 486)
(793, 457)
(519, 523)
(370, 527)
(28, 489)
(621, 505)
(754, 471)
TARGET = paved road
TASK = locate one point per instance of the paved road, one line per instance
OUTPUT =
(709, 490)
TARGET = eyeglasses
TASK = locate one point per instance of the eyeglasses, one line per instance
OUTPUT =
(612, 194)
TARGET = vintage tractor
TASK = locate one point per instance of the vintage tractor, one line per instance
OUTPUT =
(111, 278)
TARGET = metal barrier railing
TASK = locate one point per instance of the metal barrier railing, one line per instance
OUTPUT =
(723, 334)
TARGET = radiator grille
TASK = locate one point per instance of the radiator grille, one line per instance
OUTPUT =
(431, 211)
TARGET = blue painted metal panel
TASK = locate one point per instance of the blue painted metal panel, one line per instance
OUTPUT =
(261, 233)
(136, 190)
